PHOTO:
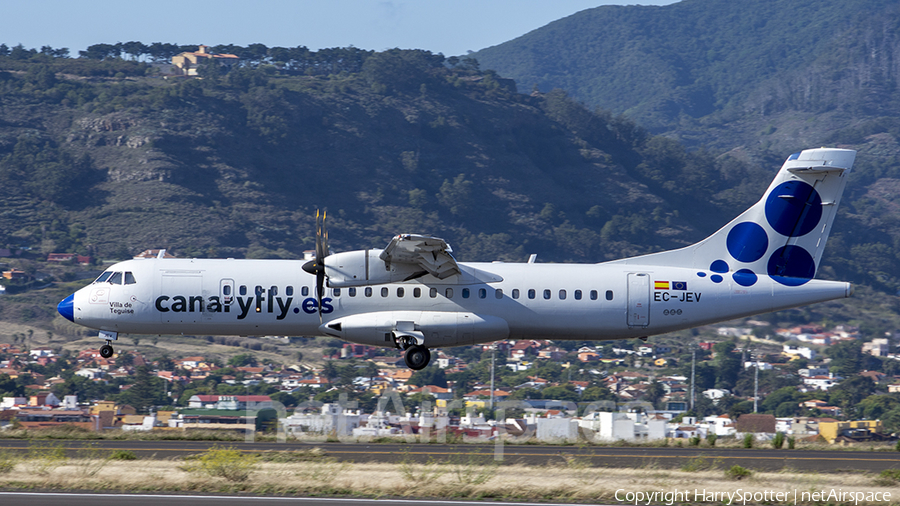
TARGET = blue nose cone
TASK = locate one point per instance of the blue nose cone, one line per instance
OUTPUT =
(66, 309)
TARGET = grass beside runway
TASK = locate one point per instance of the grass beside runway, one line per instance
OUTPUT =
(224, 470)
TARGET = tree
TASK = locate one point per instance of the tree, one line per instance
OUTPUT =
(564, 392)
(243, 360)
(850, 392)
(431, 375)
(598, 393)
(147, 391)
(727, 364)
(846, 358)
(654, 392)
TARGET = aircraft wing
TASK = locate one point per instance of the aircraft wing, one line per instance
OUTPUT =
(429, 253)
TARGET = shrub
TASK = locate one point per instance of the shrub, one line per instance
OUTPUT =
(778, 441)
(888, 478)
(122, 455)
(7, 461)
(224, 462)
(695, 441)
(748, 440)
(44, 458)
(711, 438)
(737, 473)
(791, 443)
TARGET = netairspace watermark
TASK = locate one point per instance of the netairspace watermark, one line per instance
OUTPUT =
(743, 497)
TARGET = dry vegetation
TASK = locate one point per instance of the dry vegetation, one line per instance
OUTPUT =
(312, 473)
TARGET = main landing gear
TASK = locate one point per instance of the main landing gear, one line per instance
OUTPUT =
(107, 351)
(417, 356)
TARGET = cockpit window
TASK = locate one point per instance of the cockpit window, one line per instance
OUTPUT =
(129, 278)
(115, 279)
(103, 277)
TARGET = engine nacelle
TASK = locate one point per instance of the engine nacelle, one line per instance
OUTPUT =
(365, 267)
(435, 328)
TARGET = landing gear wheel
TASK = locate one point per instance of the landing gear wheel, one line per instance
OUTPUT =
(106, 351)
(417, 357)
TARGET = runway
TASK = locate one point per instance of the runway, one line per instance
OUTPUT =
(825, 461)
(77, 499)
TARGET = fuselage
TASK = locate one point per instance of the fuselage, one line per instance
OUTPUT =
(520, 300)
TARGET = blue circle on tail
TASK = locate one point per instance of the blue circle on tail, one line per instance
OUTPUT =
(794, 208)
(747, 242)
(745, 277)
(791, 266)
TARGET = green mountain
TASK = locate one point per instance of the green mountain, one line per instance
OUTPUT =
(689, 67)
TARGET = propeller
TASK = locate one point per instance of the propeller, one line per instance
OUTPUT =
(317, 266)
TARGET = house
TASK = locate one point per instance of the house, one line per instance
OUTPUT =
(821, 382)
(756, 423)
(14, 273)
(877, 347)
(188, 63)
(799, 351)
(230, 402)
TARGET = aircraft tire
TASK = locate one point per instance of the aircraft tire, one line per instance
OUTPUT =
(106, 351)
(417, 357)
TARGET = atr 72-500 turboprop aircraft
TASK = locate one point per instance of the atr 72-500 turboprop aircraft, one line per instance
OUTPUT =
(414, 295)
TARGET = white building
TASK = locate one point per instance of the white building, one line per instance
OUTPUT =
(330, 420)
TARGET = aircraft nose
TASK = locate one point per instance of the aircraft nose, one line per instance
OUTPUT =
(66, 308)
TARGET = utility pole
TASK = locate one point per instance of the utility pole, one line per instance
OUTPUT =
(693, 369)
(493, 349)
(755, 382)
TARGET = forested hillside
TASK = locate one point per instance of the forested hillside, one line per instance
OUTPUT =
(100, 155)
(690, 67)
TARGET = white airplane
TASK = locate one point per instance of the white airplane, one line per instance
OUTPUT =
(414, 295)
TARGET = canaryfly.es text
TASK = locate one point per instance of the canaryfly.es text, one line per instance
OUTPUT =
(262, 303)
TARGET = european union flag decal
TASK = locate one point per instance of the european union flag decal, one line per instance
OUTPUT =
(679, 285)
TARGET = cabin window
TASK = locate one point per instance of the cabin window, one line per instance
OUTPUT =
(304, 291)
(417, 292)
(515, 293)
(259, 290)
(400, 292)
(593, 294)
(577, 294)
(289, 291)
(336, 292)
(448, 293)
(116, 278)
(547, 294)
(384, 292)
(465, 293)
(562, 295)
(273, 291)
(226, 290)
(129, 278)
(531, 293)
(609, 295)
(498, 293)
(368, 291)
(103, 277)
(243, 290)
(432, 293)
(351, 291)
(482, 293)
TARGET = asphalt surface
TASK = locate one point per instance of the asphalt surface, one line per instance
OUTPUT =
(825, 461)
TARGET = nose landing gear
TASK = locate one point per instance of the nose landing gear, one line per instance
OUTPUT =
(106, 351)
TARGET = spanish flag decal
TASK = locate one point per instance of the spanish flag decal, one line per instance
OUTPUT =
(661, 285)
